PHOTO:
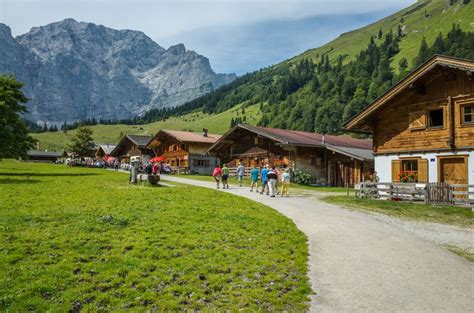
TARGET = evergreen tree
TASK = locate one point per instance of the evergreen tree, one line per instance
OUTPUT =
(82, 143)
(14, 138)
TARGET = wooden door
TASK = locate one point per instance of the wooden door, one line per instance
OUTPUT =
(453, 170)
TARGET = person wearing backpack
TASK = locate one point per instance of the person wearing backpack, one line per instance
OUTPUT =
(240, 173)
(285, 183)
(225, 177)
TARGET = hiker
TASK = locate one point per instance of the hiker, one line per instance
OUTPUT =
(240, 173)
(217, 174)
(225, 176)
(254, 173)
(272, 179)
(264, 180)
(285, 183)
(276, 184)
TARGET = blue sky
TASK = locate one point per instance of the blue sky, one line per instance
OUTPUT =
(236, 35)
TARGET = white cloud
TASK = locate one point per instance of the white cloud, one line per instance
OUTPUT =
(164, 18)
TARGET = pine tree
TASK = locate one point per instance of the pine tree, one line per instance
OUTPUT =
(82, 143)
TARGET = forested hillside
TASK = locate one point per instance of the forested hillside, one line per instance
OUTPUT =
(321, 89)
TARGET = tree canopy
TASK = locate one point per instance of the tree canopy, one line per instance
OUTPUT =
(14, 138)
(82, 143)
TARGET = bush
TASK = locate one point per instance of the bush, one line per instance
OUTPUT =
(301, 177)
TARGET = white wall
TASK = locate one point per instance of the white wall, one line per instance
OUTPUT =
(383, 164)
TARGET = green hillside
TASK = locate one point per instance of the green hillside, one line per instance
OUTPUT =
(321, 88)
(196, 121)
(425, 18)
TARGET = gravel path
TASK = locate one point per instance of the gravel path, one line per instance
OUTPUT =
(360, 262)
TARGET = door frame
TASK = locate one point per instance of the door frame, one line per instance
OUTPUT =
(460, 156)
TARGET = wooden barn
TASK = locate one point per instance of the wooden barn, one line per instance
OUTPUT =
(185, 150)
(424, 125)
(132, 145)
(103, 150)
(331, 160)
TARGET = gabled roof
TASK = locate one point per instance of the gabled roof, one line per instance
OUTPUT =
(358, 122)
(139, 140)
(49, 154)
(106, 148)
(186, 136)
(358, 148)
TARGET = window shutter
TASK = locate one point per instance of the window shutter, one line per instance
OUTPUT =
(395, 170)
(417, 120)
(423, 170)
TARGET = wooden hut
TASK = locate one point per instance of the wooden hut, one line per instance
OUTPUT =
(424, 125)
(103, 150)
(185, 150)
(44, 156)
(331, 160)
(132, 145)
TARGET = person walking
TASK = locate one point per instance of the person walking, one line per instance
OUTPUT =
(264, 180)
(285, 183)
(240, 173)
(272, 180)
(254, 173)
(225, 177)
(217, 174)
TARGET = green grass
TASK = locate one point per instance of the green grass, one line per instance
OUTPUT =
(468, 255)
(75, 238)
(408, 210)
(246, 182)
(440, 18)
(216, 123)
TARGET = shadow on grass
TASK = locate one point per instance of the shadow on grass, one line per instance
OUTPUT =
(47, 174)
(6, 181)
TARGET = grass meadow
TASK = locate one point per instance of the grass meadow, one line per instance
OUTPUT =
(444, 214)
(77, 239)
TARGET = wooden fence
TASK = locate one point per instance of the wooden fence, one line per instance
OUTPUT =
(435, 193)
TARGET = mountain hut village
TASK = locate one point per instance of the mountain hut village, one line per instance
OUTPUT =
(135, 178)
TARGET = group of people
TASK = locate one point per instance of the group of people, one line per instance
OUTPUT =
(269, 177)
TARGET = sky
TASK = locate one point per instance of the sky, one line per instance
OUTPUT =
(237, 36)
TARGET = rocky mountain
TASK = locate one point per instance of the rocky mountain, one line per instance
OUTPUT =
(76, 71)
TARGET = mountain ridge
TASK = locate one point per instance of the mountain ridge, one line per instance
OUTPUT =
(76, 71)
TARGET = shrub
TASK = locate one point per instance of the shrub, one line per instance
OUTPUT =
(301, 177)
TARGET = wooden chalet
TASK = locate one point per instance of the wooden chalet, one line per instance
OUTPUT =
(331, 160)
(103, 150)
(185, 150)
(132, 145)
(424, 124)
(44, 156)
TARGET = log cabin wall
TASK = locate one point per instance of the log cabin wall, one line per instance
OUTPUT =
(404, 123)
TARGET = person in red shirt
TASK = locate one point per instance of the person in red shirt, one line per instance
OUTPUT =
(217, 174)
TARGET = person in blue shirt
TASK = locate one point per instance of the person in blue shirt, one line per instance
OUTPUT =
(264, 180)
(240, 173)
(254, 174)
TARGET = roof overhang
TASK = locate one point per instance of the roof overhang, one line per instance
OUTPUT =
(361, 121)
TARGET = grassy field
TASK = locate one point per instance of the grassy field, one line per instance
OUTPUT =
(246, 182)
(84, 239)
(424, 18)
(216, 123)
(415, 211)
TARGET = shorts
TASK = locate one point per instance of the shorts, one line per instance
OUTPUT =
(225, 177)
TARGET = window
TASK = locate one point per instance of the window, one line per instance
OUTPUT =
(436, 118)
(468, 114)
(409, 171)
(316, 161)
(202, 163)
